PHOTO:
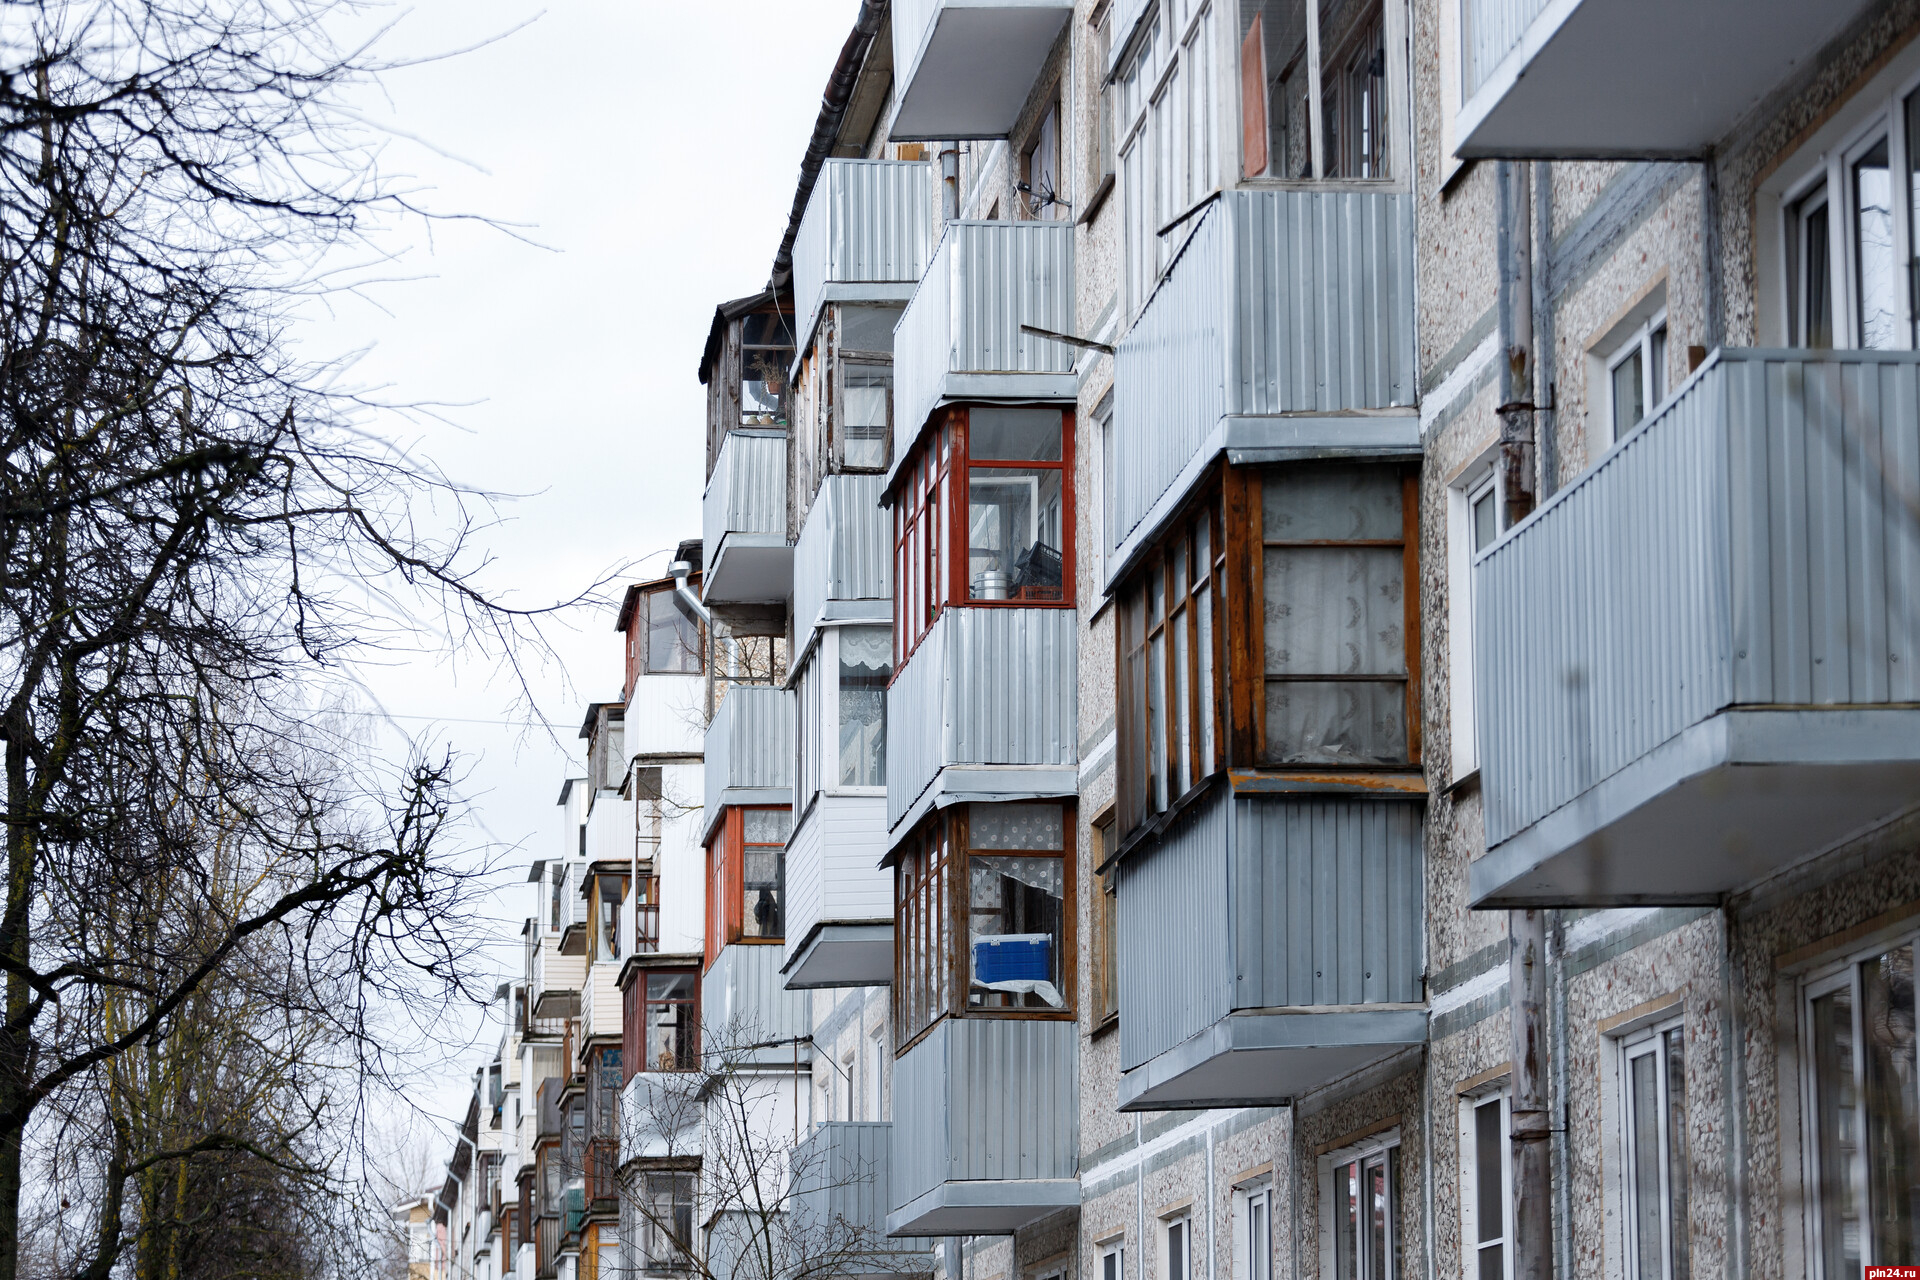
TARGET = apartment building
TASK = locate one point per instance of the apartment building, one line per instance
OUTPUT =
(1298, 665)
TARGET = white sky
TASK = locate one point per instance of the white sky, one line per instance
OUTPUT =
(654, 147)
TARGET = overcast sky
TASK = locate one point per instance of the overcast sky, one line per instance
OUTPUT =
(653, 149)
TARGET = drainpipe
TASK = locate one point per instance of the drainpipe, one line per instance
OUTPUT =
(1532, 1136)
(949, 182)
(679, 571)
(1514, 245)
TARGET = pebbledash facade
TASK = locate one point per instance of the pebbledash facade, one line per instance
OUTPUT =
(1225, 518)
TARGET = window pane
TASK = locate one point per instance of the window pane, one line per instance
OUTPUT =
(1331, 504)
(1157, 718)
(1678, 1229)
(1486, 516)
(1913, 188)
(1877, 274)
(867, 328)
(1335, 611)
(1489, 1156)
(767, 826)
(1013, 435)
(1815, 274)
(1017, 826)
(1893, 1124)
(1379, 1215)
(1346, 1221)
(1015, 918)
(1204, 619)
(863, 416)
(1259, 1238)
(1350, 722)
(1643, 1089)
(864, 667)
(1177, 1251)
(1628, 408)
(1838, 1139)
(763, 888)
(1182, 706)
(1657, 372)
(673, 635)
(1014, 533)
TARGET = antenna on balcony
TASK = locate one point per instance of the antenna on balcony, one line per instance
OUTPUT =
(1038, 200)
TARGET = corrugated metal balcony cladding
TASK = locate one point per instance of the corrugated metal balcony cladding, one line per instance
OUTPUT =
(749, 744)
(748, 490)
(986, 280)
(744, 1001)
(867, 222)
(1753, 544)
(844, 552)
(1321, 896)
(1281, 302)
(1493, 28)
(986, 686)
(842, 1175)
(983, 1099)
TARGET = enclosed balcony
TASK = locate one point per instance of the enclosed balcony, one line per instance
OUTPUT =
(1697, 663)
(1629, 79)
(1268, 945)
(966, 67)
(746, 1012)
(985, 709)
(749, 751)
(841, 1175)
(865, 237)
(1284, 329)
(744, 520)
(843, 562)
(985, 1130)
(960, 338)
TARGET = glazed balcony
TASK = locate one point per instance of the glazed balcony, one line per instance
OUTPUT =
(960, 337)
(1623, 78)
(865, 236)
(985, 1130)
(744, 520)
(1296, 922)
(1283, 329)
(1698, 664)
(966, 67)
(841, 1175)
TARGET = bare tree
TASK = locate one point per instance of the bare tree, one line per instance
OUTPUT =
(199, 535)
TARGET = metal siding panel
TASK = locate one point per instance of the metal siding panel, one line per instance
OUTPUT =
(1012, 686)
(1013, 1098)
(1750, 545)
(915, 710)
(744, 987)
(1176, 962)
(920, 1147)
(843, 552)
(921, 351)
(841, 1176)
(812, 554)
(813, 253)
(1491, 30)
(806, 874)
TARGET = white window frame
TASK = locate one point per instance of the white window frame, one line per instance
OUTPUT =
(1877, 111)
(1470, 1242)
(817, 717)
(1113, 1260)
(1254, 1196)
(1480, 478)
(1644, 1037)
(1655, 385)
(1168, 110)
(876, 1050)
(1386, 1144)
(1836, 974)
(1181, 1222)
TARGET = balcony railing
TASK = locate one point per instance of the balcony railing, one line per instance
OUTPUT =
(966, 67)
(986, 687)
(749, 749)
(546, 1248)
(960, 337)
(865, 236)
(1285, 323)
(1697, 664)
(841, 1175)
(985, 1127)
(743, 1002)
(839, 898)
(1297, 925)
(1580, 78)
(744, 519)
(843, 562)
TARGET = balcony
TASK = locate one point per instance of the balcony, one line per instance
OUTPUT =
(744, 520)
(985, 1127)
(960, 337)
(985, 709)
(839, 898)
(749, 751)
(864, 238)
(966, 67)
(840, 1182)
(843, 562)
(556, 983)
(1283, 329)
(743, 1002)
(1297, 922)
(660, 1114)
(1697, 664)
(1646, 79)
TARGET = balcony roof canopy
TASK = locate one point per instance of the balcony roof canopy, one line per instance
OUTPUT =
(977, 64)
(1645, 79)
(1267, 1058)
(989, 1207)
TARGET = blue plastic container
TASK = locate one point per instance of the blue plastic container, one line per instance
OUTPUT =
(1012, 957)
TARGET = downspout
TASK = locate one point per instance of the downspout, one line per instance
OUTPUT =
(679, 570)
(1514, 245)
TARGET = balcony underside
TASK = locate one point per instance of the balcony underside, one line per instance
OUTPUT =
(985, 1208)
(1267, 1058)
(1643, 79)
(1729, 801)
(976, 69)
(750, 568)
(843, 955)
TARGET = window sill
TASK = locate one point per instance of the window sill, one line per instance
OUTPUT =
(1096, 201)
(1105, 1027)
(1466, 784)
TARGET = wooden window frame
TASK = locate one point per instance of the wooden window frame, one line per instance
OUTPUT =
(726, 881)
(930, 543)
(633, 1018)
(930, 877)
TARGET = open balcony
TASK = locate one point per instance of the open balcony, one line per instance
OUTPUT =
(1646, 79)
(840, 1173)
(960, 337)
(744, 520)
(749, 751)
(1269, 945)
(839, 897)
(865, 236)
(843, 562)
(747, 1014)
(966, 67)
(1698, 664)
(985, 709)
(985, 1131)
(1283, 329)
